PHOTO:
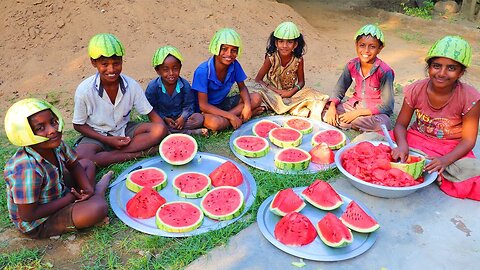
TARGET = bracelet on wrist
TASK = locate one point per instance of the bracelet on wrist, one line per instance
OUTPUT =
(298, 86)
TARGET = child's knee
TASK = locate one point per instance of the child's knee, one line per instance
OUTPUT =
(256, 99)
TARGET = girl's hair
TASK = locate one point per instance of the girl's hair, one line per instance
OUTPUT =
(298, 52)
(429, 63)
(361, 36)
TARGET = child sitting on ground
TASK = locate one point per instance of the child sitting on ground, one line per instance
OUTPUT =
(373, 99)
(49, 191)
(213, 80)
(171, 95)
(284, 89)
(447, 113)
(103, 104)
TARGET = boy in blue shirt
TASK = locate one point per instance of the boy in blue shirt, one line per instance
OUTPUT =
(213, 80)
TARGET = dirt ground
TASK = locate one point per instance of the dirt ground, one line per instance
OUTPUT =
(43, 49)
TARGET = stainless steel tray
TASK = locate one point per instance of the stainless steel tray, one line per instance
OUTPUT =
(316, 250)
(204, 163)
(266, 163)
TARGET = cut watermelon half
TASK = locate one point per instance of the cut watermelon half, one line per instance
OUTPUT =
(286, 201)
(226, 174)
(322, 154)
(292, 159)
(322, 195)
(223, 203)
(295, 230)
(263, 127)
(358, 220)
(146, 177)
(300, 124)
(191, 184)
(285, 137)
(178, 148)
(333, 232)
(335, 139)
(179, 217)
(145, 203)
(251, 146)
(413, 165)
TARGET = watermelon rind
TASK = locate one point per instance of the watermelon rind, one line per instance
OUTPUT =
(131, 185)
(249, 153)
(335, 146)
(284, 144)
(285, 198)
(307, 130)
(179, 151)
(331, 224)
(414, 169)
(170, 228)
(235, 212)
(322, 191)
(358, 220)
(260, 123)
(192, 195)
(292, 166)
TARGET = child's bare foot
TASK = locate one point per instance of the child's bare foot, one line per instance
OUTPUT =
(199, 131)
(259, 110)
(102, 185)
(104, 222)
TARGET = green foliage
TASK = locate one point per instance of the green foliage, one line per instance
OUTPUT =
(22, 259)
(424, 12)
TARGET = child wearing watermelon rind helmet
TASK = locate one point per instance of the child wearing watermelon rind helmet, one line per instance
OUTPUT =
(284, 91)
(213, 80)
(49, 190)
(103, 105)
(171, 95)
(373, 99)
(446, 119)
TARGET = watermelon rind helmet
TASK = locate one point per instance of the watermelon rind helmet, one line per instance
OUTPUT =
(286, 30)
(163, 52)
(106, 45)
(225, 36)
(452, 47)
(372, 30)
(17, 127)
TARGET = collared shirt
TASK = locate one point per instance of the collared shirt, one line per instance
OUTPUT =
(374, 91)
(30, 178)
(205, 80)
(94, 108)
(180, 103)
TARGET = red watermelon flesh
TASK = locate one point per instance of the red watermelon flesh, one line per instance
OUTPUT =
(322, 154)
(299, 124)
(333, 232)
(251, 143)
(223, 203)
(145, 203)
(262, 128)
(178, 149)
(330, 137)
(322, 195)
(295, 230)
(191, 183)
(179, 216)
(285, 134)
(286, 201)
(226, 174)
(147, 177)
(292, 155)
(358, 220)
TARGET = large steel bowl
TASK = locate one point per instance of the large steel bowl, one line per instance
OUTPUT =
(378, 190)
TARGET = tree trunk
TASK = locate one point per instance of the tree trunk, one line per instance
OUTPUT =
(468, 9)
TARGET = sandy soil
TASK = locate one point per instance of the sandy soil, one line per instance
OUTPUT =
(43, 50)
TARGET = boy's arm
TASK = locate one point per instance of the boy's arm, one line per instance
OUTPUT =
(343, 83)
(247, 105)
(208, 108)
(34, 211)
(155, 118)
(188, 101)
(386, 94)
(79, 176)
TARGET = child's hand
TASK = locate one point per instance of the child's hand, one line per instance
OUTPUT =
(246, 114)
(82, 195)
(170, 122)
(118, 142)
(236, 122)
(437, 164)
(348, 117)
(400, 152)
(331, 116)
(180, 123)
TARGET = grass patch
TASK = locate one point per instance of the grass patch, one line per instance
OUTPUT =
(23, 259)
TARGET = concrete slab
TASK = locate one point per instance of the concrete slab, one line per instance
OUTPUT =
(426, 230)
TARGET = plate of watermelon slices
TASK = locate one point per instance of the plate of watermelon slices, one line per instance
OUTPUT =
(289, 139)
(204, 163)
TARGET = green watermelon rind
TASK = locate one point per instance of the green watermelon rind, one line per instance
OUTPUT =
(333, 147)
(173, 136)
(194, 195)
(233, 214)
(278, 212)
(168, 228)
(344, 242)
(414, 169)
(352, 227)
(262, 122)
(136, 187)
(255, 154)
(292, 166)
(319, 206)
(285, 144)
(303, 131)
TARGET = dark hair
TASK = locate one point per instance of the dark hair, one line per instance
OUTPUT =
(158, 66)
(363, 35)
(298, 52)
(429, 63)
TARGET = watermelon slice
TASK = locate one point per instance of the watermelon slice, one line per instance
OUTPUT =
(335, 139)
(285, 137)
(333, 232)
(251, 146)
(322, 154)
(178, 148)
(322, 195)
(146, 177)
(226, 174)
(263, 127)
(179, 217)
(286, 201)
(358, 220)
(191, 184)
(223, 203)
(295, 230)
(294, 159)
(300, 124)
(145, 203)
(413, 165)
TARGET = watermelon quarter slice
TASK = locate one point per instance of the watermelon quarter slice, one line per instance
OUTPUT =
(263, 127)
(251, 146)
(294, 159)
(223, 203)
(286, 201)
(146, 177)
(300, 124)
(178, 149)
(145, 203)
(333, 232)
(335, 139)
(322, 195)
(226, 174)
(322, 154)
(358, 220)
(285, 137)
(191, 184)
(295, 230)
(179, 217)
